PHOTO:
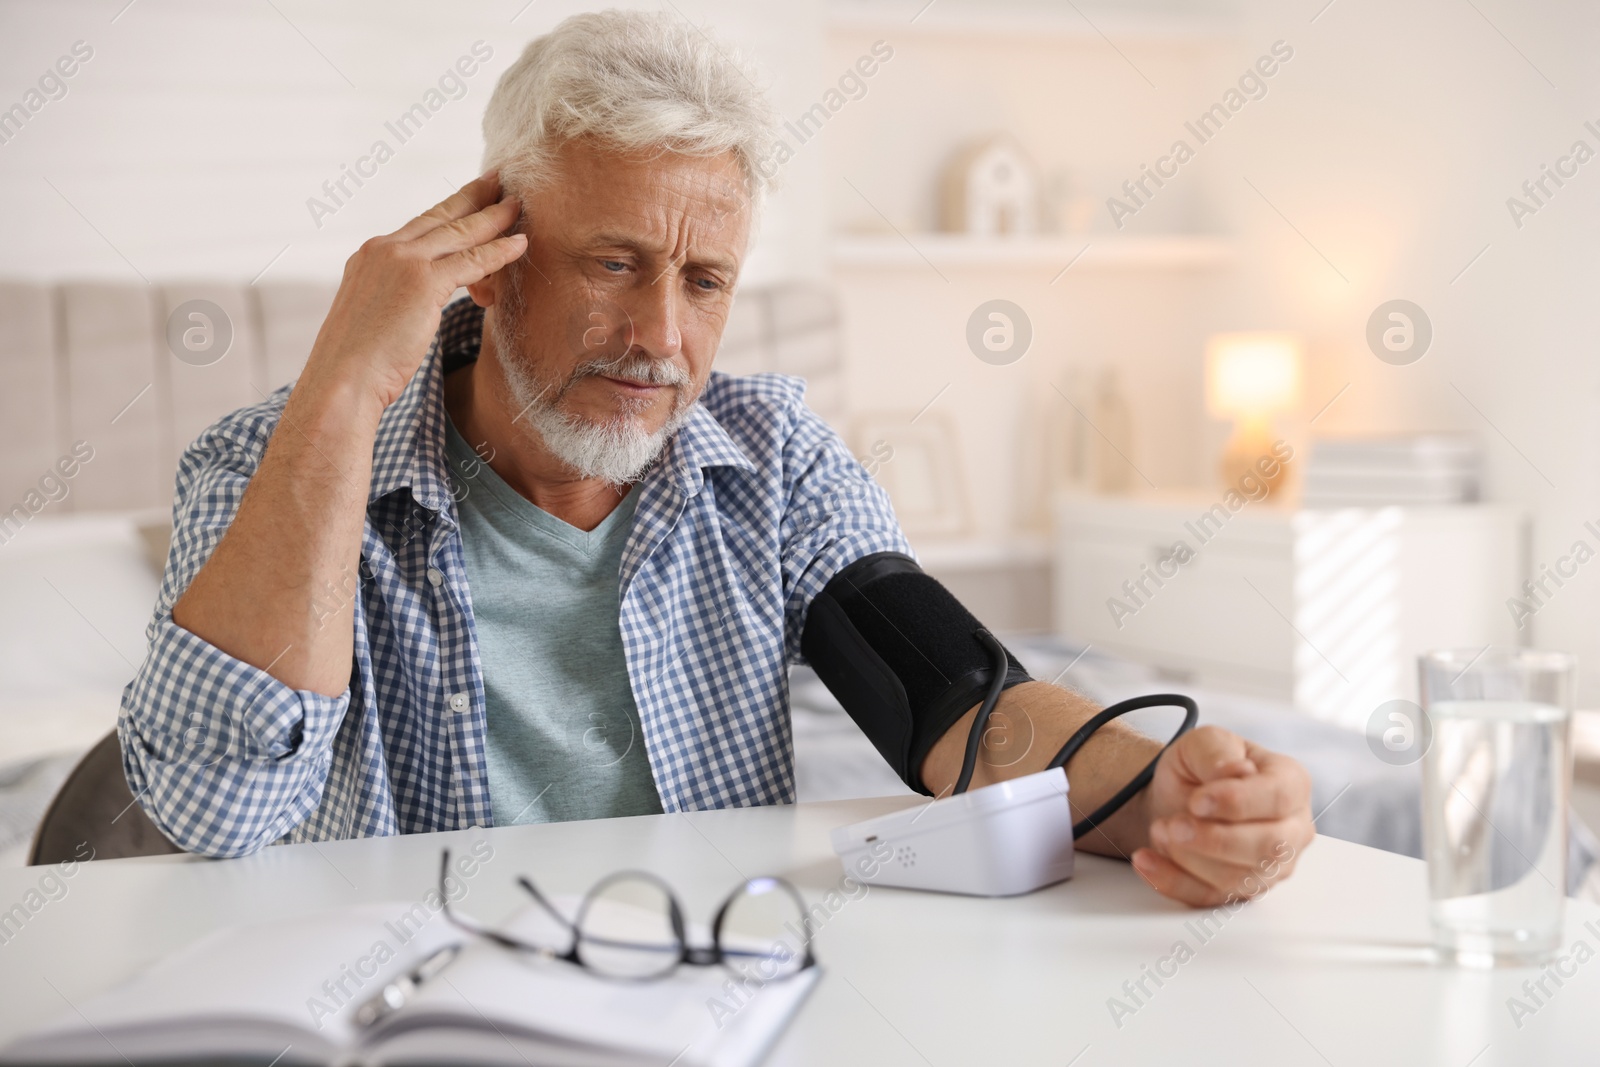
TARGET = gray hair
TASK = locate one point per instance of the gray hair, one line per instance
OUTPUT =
(633, 80)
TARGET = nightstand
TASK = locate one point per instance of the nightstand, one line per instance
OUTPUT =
(1327, 609)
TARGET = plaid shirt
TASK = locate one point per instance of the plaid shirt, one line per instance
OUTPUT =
(752, 508)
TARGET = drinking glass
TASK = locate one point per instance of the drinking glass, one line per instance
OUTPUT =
(1496, 778)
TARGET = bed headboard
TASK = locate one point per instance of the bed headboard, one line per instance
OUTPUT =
(89, 361)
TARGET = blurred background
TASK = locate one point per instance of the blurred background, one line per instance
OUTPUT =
(1244, 349)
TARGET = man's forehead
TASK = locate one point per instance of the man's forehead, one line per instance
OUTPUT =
(698, 196)
(706, 191)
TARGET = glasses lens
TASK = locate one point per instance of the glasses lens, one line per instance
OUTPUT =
(626, 929)
(763, 930)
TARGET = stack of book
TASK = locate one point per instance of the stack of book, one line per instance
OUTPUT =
(1381, 471)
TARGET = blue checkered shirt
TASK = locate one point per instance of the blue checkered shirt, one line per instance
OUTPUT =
(752, 508)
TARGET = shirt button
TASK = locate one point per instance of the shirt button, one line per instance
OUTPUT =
(458, 702)
(435, 577)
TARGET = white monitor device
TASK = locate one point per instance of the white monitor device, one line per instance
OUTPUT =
(999, 841)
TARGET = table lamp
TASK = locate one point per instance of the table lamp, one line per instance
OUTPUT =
(1250, 377)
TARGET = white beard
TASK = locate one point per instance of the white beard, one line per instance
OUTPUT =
(617, 450)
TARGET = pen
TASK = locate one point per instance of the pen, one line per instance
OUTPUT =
(394, 995)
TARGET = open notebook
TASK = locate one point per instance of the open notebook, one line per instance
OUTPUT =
(294, 990)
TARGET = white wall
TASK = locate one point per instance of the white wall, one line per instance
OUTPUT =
(1081, 113)
(1395, 150)
(1390, 142)
(193, 138)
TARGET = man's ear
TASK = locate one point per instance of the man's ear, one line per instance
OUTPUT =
(485, 292)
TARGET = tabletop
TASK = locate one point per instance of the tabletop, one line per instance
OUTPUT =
(1330, 968)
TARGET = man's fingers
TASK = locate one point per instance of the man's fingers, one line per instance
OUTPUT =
(476, 195)
(469, 231)
(1279, 789)
(480, 261)
(1227, 879)
(1208, 753)
(1247, 844)
(1245, 879)
(1170, 880)
(1231, 816)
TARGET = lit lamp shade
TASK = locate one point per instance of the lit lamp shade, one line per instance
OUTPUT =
(1250, 377)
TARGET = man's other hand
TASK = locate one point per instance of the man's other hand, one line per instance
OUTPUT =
(1228, 819)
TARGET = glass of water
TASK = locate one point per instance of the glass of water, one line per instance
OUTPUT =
(1495, 782)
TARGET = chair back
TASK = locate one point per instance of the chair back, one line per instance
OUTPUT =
(94, 815)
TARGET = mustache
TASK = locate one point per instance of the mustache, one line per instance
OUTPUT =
(631, 367)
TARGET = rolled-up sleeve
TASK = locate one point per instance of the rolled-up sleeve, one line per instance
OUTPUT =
(223, 757)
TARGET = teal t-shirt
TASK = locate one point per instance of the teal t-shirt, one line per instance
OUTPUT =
(564, 740)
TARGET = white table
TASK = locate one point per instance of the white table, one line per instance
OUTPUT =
(1330, 968)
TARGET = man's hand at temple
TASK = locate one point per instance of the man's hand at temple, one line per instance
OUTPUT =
(299, 527)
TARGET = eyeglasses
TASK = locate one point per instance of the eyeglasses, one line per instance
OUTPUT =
(630, 926)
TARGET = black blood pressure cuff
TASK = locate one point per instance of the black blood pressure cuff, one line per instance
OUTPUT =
(900, 653)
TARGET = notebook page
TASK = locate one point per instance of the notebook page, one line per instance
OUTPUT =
(743, 1042)
(695, 1008)
(273, 983)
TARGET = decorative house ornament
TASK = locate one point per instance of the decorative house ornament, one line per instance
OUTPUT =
(991, 190)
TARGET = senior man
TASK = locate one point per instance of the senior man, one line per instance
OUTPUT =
(525, 557)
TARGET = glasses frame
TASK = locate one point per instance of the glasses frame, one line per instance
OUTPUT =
(691, 955)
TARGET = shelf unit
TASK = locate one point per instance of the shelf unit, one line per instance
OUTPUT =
(1325, 607)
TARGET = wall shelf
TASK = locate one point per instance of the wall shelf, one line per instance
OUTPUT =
(1092, 251)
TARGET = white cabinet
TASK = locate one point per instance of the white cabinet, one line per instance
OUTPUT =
(1328, 609)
